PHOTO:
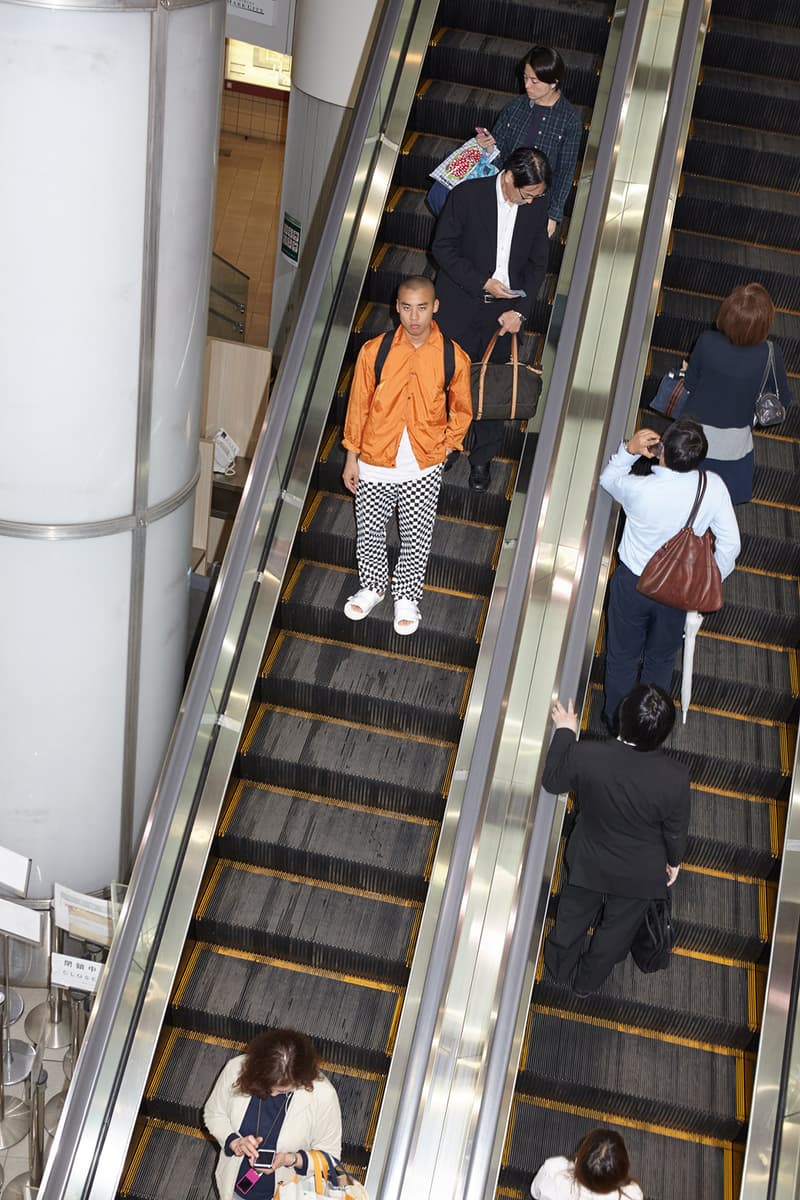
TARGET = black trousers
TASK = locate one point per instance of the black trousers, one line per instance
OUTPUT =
(616, 920)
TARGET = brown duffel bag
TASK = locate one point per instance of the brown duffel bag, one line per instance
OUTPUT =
(504, 391)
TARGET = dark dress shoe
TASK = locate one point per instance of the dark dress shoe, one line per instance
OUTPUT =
(479, 477)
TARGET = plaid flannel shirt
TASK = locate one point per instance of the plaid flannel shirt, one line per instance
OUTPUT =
(560, 140)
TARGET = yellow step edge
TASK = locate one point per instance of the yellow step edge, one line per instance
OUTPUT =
(371, 650)
(241, 784)
(327, 885)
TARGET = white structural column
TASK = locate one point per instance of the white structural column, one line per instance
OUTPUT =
(108, 136)
(328, 58)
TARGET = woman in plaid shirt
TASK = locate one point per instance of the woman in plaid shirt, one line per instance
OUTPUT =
(542, 118)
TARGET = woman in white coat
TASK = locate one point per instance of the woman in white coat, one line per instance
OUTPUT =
(274, 1098)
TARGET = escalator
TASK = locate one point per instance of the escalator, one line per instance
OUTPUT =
(669, 1059)
(312, 899)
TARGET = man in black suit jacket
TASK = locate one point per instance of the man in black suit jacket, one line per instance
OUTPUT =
(629, 837)
(490, 243)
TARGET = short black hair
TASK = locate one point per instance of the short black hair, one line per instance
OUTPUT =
(417, 283)
(646, 716)
(547, 64)
(685, 445)
(528, 167)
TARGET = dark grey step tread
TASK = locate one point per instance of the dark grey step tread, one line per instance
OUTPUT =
(691, 307)
(358, 683)
(192, 1064)
(403, 260)
(451, 621)
(343, 843)
(757, 85)
(776, 453)
(630, 1074)
(759, 606)
(352, 762)
(722, 824)
(340, 929)
(236, 996)
(759, 32)
(747, 140)
(719, 914)
(695, 1171)
(464, 95)
(748, 258)
(719, 990)
(176, 1164)
(512, 49)
(452, 539)
(560, 23)
(769, 521)
(738, 678)
(738, 195)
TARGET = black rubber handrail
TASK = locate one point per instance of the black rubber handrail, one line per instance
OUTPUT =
(786, 1069)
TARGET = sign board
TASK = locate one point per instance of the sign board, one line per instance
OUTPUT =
(262, 11)
(15, 870)
(79, 973)
(20, 922)
(290, 239)
(86, 918)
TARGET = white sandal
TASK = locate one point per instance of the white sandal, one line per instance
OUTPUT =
(362, 603)
(406, 616)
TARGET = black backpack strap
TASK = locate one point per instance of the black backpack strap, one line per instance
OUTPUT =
(383, 354)
(449, 371)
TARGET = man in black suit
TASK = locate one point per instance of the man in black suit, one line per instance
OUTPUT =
(629, 837)
(491, 248)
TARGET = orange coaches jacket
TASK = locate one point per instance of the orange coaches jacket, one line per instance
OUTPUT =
(409, 395)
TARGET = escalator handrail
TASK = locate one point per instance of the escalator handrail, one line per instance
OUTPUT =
(786, 1069)
(117, 975)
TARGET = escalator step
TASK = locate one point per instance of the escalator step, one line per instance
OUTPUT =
(733, 210)
(716, 265)
(719, 914)
(723, 995)
(455, 498)
(362, 765)
(757, 681)
(463, 554)
(187, 1066)
(737, 44)
(236, 996)
(632, 1075)
(725, 752)
(389, 267)
(494, 62)
(743, 155)
(761, 607)
(407, 220)
(770, 538)
(761, 101)
(455, 109)
(178, 1163)
(778, 12)
(345, 844)
(450, 627)
(362, 685)
(323, 925)
(420, 153)
(542, 1129)
(732, 832)
(560, 23)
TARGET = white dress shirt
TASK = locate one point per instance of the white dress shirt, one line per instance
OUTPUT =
(506, 219)
(658, 505)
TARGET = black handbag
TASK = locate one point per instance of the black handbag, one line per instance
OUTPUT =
(655, 937)
(768, 408)
(504, 391)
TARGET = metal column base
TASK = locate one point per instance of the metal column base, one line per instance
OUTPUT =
(16, 1124)
(56, 1036)
(18, 1061)
(16, 1189)
(15, 1006)
(52, 1112)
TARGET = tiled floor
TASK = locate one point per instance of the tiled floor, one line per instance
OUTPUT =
(246, 220)
(14, 1160)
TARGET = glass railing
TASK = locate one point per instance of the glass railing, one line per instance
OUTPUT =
(227, 300)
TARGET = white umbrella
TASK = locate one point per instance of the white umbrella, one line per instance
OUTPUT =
(693, 622)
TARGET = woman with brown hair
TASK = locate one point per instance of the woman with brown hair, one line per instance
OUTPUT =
(272, 1099)
(600, 1168)
(723, 380)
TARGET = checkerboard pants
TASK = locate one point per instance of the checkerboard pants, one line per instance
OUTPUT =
(415, 501)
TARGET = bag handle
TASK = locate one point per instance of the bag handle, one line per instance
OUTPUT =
(701, 491)
(770, 368)
(487, 354)
(321, 1168)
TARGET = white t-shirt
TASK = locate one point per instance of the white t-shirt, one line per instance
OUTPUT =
(405, 469)
(554, 1181)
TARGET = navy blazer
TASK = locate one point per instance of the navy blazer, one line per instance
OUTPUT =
(465, 250)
